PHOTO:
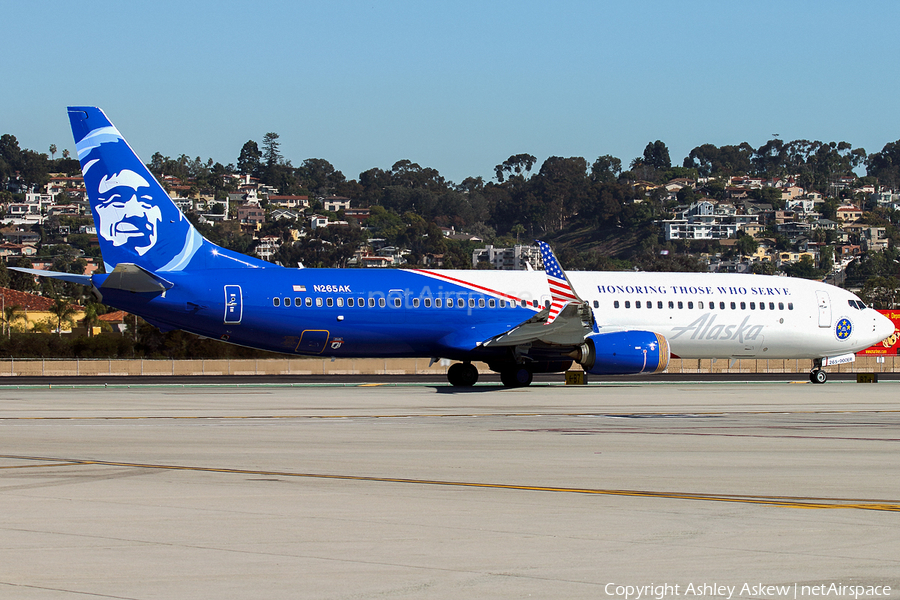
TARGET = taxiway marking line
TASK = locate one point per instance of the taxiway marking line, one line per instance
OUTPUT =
(786, 502)
(449, 415)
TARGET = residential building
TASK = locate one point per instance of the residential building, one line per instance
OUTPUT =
(517, 258)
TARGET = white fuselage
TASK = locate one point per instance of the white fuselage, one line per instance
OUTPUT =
(711, 315)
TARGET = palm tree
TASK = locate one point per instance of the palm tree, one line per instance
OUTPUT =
(10, 314)
(63, 311)
(91, 317)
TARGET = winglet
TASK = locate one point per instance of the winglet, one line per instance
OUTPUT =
(561, 291)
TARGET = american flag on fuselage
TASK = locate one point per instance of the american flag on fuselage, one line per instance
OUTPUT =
(561, 292)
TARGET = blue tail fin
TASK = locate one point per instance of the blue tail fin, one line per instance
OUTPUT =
(136, 220)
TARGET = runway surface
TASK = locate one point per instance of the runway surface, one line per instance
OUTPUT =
(425, 491)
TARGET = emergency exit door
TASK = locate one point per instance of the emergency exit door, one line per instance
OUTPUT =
(824, 308)
(234, 305)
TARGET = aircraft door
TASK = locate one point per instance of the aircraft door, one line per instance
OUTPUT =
(312, 341)
(824, 303)
(234, 305)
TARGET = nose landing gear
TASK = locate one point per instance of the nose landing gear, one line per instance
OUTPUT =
(818, 376)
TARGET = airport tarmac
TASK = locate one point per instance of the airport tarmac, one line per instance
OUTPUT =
(425, 491)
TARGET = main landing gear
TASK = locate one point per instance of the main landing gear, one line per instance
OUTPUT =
(462, 374)
(516, 377)
(466, 375)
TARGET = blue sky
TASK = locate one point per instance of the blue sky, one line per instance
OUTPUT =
(458, 86)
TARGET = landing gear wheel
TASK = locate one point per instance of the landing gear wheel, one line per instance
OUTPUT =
(518, 377)
(462, 375)
(818, 376)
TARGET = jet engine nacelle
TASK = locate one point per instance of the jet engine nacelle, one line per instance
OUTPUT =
(623, 353)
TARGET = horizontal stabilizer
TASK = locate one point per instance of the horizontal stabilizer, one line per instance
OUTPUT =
(68, 277)
(132, 278)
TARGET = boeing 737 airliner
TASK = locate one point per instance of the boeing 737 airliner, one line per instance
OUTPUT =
(520, 323)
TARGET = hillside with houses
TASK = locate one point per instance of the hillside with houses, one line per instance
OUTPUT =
(805, 209)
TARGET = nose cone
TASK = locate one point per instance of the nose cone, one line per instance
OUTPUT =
(884, 327)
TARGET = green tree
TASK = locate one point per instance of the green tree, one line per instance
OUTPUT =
(271, 147)
(746, 244)
(11, 314)
(249, 160)
(656, 155)
(63, 311)
(92, 312)
(606, 169)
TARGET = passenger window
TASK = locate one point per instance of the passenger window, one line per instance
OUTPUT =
(427, 302)
(371, 302)
(690, 305)
(481, 303)
(762, 306)
(671, 304)
(627, 304)
(534, 303)
(381, 302)
(733, 306)
(340, 302)
(438, 303)
(298, 301)
(492, 303)
(415, 303)
(360, 302)
(637, 304)
(318, 302)
(771, 306)
(721, 306)
(680, 305)
(753, 306)
(287, 302)
(659, 304)
(460, 303)
(309, 301)
(790, 306)
(700, 305)
(350, 302)
(743, 306)
(471, 302)
(276, 301)
(596, 304)
(502, 303)
(523, 304)
(546, 304)
(781, 306)
(397, 302)
(615, 304)
(649, 304)
(329, 302)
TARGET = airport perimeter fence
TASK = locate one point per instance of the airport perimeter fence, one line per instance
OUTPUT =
(48, 367)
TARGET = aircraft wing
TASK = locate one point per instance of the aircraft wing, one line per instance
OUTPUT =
(566, 322)
(569, 328)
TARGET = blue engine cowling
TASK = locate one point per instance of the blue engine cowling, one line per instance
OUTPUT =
(624, 353)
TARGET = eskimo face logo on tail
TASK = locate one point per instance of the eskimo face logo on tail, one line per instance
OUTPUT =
(127, 218)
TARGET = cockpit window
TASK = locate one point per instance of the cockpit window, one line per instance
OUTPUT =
(857, 304)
